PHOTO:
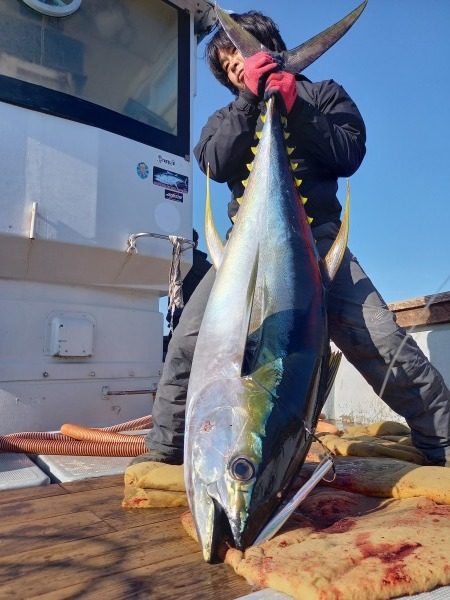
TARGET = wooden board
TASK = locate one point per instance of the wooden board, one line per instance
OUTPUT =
(425, 310)
(76, 541)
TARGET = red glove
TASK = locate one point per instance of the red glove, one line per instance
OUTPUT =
(284, 86)
(256, 69)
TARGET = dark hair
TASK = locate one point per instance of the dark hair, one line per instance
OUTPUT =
(261, 27)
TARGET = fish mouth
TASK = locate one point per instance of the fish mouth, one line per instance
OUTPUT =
(228, 528)
(222, 537)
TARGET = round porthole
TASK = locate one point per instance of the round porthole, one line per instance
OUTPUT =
(54, 8)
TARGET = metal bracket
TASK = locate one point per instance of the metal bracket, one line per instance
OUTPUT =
(106, 392)
(132, 239)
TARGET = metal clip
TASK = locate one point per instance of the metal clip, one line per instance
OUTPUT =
(328, 454)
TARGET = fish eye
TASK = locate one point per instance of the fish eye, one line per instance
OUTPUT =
(242, 469)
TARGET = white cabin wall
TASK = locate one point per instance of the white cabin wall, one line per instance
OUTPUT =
(39, 391)
(74, 265)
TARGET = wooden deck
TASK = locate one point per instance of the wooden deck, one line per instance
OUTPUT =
(74, 540)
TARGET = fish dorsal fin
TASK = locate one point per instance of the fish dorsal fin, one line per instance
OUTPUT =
(213, 240)
(300, 57)
(333, 259)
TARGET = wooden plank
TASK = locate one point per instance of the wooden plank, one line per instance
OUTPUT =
(120, 518)
(79, 542)
(38, 491)
(78, 562)
(433, 315)
(46, 532)
(420, 301)
(93, 483)
(168, 580)
(424, 310)
(39, 508)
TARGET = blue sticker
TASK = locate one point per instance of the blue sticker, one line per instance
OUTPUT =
(170, 195)
(170, 180)
(142, 170)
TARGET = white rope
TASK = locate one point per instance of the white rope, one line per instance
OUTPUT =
(175, 280)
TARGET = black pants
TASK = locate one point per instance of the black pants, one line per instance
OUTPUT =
(361, 326)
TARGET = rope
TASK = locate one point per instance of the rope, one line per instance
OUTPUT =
(175, 280)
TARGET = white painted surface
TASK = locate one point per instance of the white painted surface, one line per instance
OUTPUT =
(39, 391)
(89, 200)
(352, 399)
(72, 266)
(18, 471)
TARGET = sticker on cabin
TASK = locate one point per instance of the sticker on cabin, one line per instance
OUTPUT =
(142, 170)
(170, 195)
(170, 180)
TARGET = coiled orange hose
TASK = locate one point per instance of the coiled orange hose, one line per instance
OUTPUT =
(75, 440)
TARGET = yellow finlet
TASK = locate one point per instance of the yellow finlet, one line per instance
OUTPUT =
(298, 182)
(303, 200)
(310, 220)
(263, 118)
(294, 165)
(258, 134)
(249, 166)
(245, 182)
(284, 121)
(254, 149)
(286, 135)
(239, 200)
(290, 150)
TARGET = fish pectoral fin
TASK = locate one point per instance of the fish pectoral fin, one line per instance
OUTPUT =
(242, 39)
(269, 375)
(297, 59)
(216, 247)
(333, 259)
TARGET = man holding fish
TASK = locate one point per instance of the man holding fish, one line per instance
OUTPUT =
(327, 135)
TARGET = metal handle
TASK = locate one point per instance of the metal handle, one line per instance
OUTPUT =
(131, 248)
(34, 208)
(107, 392)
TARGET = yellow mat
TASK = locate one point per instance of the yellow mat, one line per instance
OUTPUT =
(345, 546)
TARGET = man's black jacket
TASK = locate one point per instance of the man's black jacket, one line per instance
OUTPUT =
(327, 131)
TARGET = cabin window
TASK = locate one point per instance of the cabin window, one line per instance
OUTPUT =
(122, 65)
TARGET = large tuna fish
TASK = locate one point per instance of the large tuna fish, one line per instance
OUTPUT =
(260, 367)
